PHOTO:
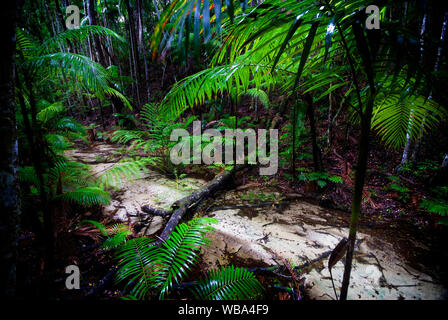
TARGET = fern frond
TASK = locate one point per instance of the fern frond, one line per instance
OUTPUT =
(50, 112)
(229, 283)
(80, 68)
(135, 258)
(181, 251)
(71, 36)
(210, 83)
(154, 268)
(57, 142)
(28, 174)
(116, 234)
(260, 95)
(25, 44)
(87, 196)
(71, 124)
(129, 170)
(396, 117)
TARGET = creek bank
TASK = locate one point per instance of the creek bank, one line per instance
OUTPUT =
(299, 232)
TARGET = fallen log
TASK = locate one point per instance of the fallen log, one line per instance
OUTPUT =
(183, 205)
(156, 212)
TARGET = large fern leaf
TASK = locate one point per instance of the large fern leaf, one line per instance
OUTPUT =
(229, 283)
(148, 267)
(87, 196)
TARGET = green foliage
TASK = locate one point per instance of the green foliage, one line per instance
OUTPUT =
(397, 185)
(129, 170)
(87, 196)
(149, 268)
(423, 169)
(257, 197)
(78, 72)
(321, 178)
(79, 34)
(50, 112)
(116, 234)
(301, 137)
(153, 268)
(260, 95)
(437, 204)
(229, 283)
(296, 45)
(155, 139)
(396, 115)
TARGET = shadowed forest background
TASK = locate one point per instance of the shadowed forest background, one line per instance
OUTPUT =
(357, 209)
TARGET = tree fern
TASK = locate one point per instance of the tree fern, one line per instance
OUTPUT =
(229, 283)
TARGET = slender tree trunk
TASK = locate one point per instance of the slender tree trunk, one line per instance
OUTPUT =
(330, 122)
(361, 169)
(101, 59)
(134, 50)
(88, 40)
(407, 147)
(436, 69)
(93, 21)
(37, 156)
(294, 138)
(9, 191)
(317, 156)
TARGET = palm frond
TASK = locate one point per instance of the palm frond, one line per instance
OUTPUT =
(210, 83)
(72, 66)
(116, 234)
(260, 95)
(153, 268)
(71, 36)
(229, 283)
(28, 174)
(396, 116)
(129, 170)
(87, 196)
(181, 251)
(50, 112)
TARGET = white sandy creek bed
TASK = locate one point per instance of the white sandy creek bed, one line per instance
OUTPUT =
(300, 232)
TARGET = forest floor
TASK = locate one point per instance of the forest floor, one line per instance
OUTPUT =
(392, 259)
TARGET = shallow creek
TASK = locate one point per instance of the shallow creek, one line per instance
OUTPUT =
(300, 232)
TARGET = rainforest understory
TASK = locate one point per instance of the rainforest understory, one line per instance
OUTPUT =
(357, 208)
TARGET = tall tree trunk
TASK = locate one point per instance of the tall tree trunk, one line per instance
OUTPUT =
(93, 21)
(134, 49)
(407, 148)
(9, 191)
(361, 169)
(101, 59)
(317, 156)
(141, 46)
(436, 69)
(88, 40)
(294, 139)
(329, 119)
